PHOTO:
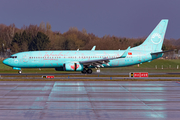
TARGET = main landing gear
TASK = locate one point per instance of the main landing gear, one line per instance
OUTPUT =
(88, 71)
(20, 72)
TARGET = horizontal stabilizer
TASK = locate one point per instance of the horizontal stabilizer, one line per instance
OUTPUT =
(156, 53)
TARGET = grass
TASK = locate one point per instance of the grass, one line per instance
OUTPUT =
(168, 66)
(91, 75)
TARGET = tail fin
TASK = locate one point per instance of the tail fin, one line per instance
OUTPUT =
(155, 40)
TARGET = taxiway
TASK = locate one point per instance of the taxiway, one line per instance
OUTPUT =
(101, 73)
(90, 100)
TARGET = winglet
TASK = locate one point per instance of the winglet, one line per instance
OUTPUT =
(94, 47)
(125, 53)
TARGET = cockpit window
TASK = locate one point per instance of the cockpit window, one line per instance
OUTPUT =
(13, 56)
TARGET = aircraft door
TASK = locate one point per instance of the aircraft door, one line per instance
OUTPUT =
(140, 57)
(16, 61)
(25, 58)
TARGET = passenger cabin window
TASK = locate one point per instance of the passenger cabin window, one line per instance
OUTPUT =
(13, 56)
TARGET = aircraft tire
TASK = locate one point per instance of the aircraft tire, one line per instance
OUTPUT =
(89, 71)
(84, 71)
(20, 72)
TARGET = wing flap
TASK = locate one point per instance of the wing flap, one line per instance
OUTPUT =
(104, 60)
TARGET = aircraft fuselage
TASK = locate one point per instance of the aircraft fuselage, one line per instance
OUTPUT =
(55, 59)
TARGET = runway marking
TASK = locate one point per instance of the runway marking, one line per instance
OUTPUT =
(102, 100)
(93, 109)
(178, 82)
(142, 102)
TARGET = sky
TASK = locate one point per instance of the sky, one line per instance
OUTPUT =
(121, 18)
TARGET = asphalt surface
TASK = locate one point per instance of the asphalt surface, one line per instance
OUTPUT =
(13, 74)
(93, 78)
(89, 100)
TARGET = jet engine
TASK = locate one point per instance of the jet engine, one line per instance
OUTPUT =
(72, 67)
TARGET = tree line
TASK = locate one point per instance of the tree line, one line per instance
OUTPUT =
(34, 37)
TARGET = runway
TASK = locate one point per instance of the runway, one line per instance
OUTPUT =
(102, 73)
(90, 78)
(89, 100)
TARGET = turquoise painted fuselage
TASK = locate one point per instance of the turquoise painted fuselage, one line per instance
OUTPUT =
(77, 60)
(56, 59)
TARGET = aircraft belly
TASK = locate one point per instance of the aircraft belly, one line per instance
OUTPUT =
(117, 62)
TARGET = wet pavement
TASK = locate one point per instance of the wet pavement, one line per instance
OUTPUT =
(90, 100)
(93, 78)
(73, 73)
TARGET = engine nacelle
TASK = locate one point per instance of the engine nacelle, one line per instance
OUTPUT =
(72, 67)
(59, 69)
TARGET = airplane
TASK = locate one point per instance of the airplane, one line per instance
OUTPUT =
(85, 60)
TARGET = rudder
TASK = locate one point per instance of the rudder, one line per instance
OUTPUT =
(155, 40)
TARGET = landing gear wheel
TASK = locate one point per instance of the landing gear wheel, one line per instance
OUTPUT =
(89, 71)
(84, 71)
(20, 72)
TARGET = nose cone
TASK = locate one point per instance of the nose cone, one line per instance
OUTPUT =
(6, 61)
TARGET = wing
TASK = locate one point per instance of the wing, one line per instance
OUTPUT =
(99, 62)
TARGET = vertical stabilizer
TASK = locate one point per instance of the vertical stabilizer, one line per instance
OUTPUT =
(155, 40)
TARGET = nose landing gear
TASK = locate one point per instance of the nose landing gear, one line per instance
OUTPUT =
(20, 72)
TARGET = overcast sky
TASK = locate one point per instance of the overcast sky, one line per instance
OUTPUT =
(122, 18)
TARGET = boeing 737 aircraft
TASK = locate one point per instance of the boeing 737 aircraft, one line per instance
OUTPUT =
(84, 60)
